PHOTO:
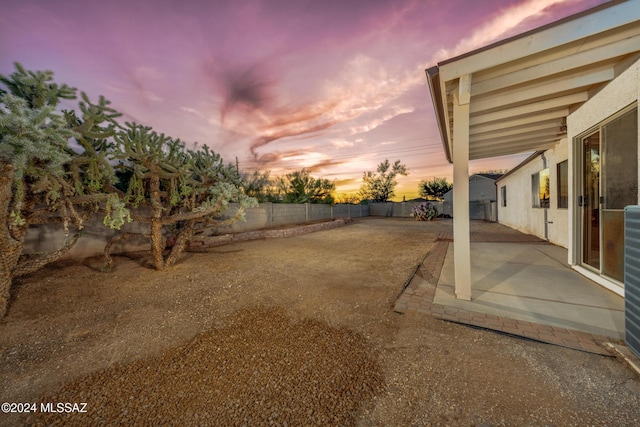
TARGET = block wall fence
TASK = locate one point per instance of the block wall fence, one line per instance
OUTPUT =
(266, 216)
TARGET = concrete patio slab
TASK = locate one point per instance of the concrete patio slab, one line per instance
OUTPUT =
(522, 286)
(531, 282)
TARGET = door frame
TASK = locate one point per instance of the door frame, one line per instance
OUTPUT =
(583, 205)
(577, 170)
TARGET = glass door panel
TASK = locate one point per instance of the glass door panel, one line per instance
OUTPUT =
(619, 187)
(613, 244)
(591, 201)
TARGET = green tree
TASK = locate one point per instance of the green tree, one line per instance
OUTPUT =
(258, 185)
(352, 199)
(434, 189)
(379, 187)
(300, 187)
(184, 191)
(43, 180)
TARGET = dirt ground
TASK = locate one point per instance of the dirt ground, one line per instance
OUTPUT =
(294, 331)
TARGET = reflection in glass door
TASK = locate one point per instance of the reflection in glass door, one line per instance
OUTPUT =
(609, 183)
(619, 181)
(591, 201)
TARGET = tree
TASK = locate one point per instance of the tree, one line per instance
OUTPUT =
(184, 191)
(379, 187)
(434, 189)
(258, 185)
(43, 180)
(352, 199)
(300, 187)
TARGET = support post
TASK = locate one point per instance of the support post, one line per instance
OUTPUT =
(460, 149)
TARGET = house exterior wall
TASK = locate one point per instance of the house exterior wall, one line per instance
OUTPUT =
(520, 213)
(620, 93)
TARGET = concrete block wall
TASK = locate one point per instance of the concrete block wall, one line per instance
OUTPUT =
(93, 238)
(284, 214)
(351, 211)
(95, 235)
(399, 209)
(280, 214)
(318, 212)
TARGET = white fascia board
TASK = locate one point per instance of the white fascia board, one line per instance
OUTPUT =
(608, 38)
(544, 39)
(447, 117)
(570, 62)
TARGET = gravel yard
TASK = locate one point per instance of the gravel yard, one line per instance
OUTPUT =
(295, 331)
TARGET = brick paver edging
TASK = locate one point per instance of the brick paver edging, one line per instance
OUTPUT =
(212, 241)
(418, 297)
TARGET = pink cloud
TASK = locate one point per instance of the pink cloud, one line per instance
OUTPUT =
(288, 82)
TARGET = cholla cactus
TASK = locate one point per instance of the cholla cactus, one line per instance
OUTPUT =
(183, 190)
(43, 179)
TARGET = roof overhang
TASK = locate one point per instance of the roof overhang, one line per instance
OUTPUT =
(523, 88)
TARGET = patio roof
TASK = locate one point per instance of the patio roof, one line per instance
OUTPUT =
(514, 96)
(520, 90)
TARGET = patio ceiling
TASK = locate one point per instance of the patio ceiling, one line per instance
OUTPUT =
(521, 90)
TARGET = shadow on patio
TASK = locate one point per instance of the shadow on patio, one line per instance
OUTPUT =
(521, 286)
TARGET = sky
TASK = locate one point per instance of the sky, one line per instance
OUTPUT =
(334, 86)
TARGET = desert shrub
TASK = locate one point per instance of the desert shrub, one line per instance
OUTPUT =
(424, 212)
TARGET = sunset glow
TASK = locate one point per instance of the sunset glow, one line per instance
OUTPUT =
(336, 86)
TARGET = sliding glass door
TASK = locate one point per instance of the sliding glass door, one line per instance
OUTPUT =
(590, 200)
(609, 183)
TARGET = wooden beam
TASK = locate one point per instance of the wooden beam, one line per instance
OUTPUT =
(556, 34)
(525, 136)
(464, 89)
(516, 142)
(507, 149)
(608, 38)
(520, 121)
(516, 130)
(461, 230)
(532, 108)
(576, 61)
(538, 90)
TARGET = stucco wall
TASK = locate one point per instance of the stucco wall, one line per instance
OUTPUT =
(623, 91)
(615, 96)
(519, 212)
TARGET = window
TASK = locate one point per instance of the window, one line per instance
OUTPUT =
(563, 185)
(540, 190)
(503, 195)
